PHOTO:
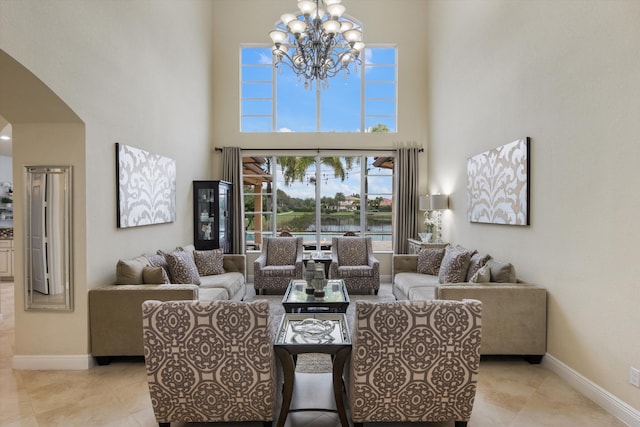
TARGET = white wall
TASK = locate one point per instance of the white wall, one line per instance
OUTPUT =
(136, 72)
(564, 73)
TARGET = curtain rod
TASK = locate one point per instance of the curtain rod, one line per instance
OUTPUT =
(315, 149)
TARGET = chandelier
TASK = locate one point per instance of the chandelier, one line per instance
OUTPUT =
(318, 41)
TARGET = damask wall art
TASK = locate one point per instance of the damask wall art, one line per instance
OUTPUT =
(498, 185)
(146, 187)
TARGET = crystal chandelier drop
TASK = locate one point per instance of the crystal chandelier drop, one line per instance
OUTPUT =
(318, 41)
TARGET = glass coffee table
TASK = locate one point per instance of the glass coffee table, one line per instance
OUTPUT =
(312, 333)
(335, 299)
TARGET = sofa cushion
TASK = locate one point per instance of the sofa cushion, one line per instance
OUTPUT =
(182, 267)
(476, 262)
(502, 272)
(129, 272)
(455, 264)
(232, 283)
(429, 260)
(483, 275)
(209, 262)
(278, 270)
(282, 251)
(355, 271)
(422, 293)
(154, 276)
(404, 282)
(212, 294)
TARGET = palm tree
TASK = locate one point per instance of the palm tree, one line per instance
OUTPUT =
(295, 168)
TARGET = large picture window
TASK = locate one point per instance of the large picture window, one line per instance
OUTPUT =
(275, 100)
(318, 197)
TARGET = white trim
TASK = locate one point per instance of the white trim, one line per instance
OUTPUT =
(602, 397)
(75, 362)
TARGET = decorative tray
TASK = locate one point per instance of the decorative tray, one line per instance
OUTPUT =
(307, 328)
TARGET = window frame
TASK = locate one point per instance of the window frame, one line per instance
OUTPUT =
(272, 227)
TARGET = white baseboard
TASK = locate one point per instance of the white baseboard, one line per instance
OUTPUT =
(602, 397)
(53, 362)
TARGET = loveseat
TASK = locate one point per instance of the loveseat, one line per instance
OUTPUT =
(115, 310)
(514, 319)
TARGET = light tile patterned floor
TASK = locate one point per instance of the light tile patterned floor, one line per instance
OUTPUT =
(510, 393)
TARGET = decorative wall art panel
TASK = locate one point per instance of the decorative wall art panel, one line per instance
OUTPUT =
(498, 185)
(146, 187)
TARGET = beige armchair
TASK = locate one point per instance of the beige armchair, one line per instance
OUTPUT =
(352, 260)
(279, 262)
(415, 361)
(209, 361)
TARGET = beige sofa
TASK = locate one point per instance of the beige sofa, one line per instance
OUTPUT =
(115, 310)
(514, 314)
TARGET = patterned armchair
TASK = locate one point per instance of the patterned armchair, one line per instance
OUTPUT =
(352, 260)
(209, 361)
(415, 361)
(279, 262)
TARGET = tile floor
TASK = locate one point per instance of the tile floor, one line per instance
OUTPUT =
(510, 393)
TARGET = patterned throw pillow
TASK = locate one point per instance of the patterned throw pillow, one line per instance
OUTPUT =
(476, 262)
(282, 251)
(429, 260)
(182, 267)
(454, 266)
(209, 262)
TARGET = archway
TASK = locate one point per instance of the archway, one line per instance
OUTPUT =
(45, 131)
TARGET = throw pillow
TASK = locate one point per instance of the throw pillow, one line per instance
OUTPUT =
(282, 250)
(182, 267)
(453, 268)
(129, 272)
(159, 260)
(154, 275)
(502, 272)
(209, 262)
(187, 248)
(429, 260)
(483, 275)
(476, 262)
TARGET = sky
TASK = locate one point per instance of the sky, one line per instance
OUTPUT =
(340, 101)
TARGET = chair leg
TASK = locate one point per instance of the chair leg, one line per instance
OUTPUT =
(461, 424)
(267, 423)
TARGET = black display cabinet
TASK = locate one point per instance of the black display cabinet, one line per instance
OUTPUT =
(212, 215)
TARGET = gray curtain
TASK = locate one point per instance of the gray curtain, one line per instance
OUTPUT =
(407, 197)
(232, 172)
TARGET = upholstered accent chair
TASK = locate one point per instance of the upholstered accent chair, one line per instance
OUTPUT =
(352, 260)
(209, 361)
(279, 262)
(415, 361)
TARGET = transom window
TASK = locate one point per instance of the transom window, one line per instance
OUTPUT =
(275, 100)
(318, 197)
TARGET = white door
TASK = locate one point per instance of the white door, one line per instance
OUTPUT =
(38, 238)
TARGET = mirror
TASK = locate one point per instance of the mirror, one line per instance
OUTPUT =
(49, 282)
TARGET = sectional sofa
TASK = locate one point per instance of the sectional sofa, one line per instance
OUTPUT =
(514, 314)
(115, 310)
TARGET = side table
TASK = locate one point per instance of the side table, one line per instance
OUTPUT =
(306, 333)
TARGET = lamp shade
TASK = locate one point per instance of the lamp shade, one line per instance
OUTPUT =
(439, 201)
(424, 203)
